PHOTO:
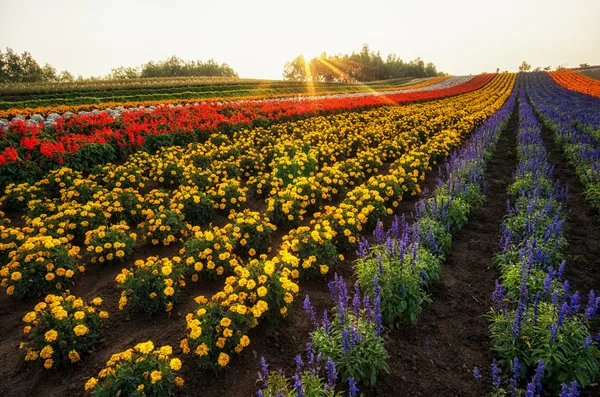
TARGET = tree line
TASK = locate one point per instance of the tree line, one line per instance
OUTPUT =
(23, 68)
(365, 65)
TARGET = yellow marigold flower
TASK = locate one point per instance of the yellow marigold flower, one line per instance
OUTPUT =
(27, 329)
(184, 346)
(225, 322)
(244, 341)
(140, 387)
(79, 315)
(80, 330)
(145, 347)
(169, 291)
(261, 291)
(16, 276)
(324, 269)
(227, 332)
(175, 364)
(29, 317)
(223, 359)
(51, 336)
(120, 253)
(10, 290)
(50, 276)
(91, 383)
(202, 350)
(74, 356)
(178, 381)
(103, 314)
(48, 363)
(166, 270)
(155, 376)
(47, 352)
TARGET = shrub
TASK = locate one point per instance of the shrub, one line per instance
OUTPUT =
(163, 227)
(39, 266)
(152, 285)
(110, 244)
(141, 371)
(62, 329)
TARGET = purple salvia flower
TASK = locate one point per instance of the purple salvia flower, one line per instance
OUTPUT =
(553, 331)
(356, 299)
(588, 342)
(345, 341)
(566, 286)
(298, 386)
(299, 364)
(516, 367)
(352, 389)
(331, 373)
(476, 373)
(575, 303)
(539, 374)
(496, 380)
(264, 368)
(563, 313)
(530, 391)
(592, 306)
(326, 322)
(561, 269)
(499, 296)
(310, 311)
(379, 232)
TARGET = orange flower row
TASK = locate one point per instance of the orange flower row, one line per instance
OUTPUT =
(577, 82)
(45, 110)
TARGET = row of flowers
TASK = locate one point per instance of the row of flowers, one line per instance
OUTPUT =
(538, 330)
(576, 82)
(575, 120)
(406, 259)
(293, 91)
(82, 142)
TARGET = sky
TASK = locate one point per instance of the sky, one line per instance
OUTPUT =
(256, 37)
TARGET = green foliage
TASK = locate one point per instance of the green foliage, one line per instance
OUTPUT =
(565, 356)
(400, 280)
(363, 361)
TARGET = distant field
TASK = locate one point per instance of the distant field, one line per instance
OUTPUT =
(23, 96)
(592, 72)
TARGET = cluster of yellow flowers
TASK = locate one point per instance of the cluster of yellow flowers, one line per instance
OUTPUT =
(152, 285)
(142, 370)
(61, 329)
(110, 244)
(40, 265)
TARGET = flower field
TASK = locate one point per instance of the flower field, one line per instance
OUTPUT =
(438, 237)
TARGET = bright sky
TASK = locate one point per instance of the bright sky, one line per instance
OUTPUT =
(256, 37)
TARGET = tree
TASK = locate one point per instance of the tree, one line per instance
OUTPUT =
(584, 65)
(66, 76)
(295, 70)
(123, 72)
(538, 69)
(547, 68)
(525, 67)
